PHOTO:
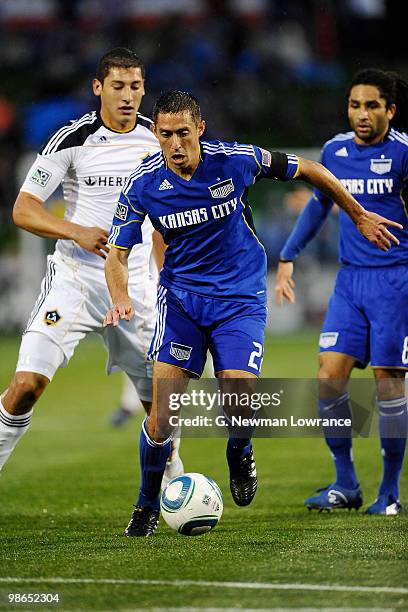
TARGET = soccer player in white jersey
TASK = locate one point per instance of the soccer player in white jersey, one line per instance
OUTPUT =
(92, 158)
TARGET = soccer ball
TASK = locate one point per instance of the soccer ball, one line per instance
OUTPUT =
(192, 504)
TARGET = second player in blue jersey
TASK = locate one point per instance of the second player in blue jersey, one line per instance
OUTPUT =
(367, 317)
(212, 291)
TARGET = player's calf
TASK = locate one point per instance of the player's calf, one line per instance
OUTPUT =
(23, 392)
(16, 410)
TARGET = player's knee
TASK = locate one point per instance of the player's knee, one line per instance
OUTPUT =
(390, 383)
(25, 390)
(158, 428)
(332, 380)
(326, 372)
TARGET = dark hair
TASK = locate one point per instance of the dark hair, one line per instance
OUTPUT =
(175, 101)
(120, 57)
(392, 87)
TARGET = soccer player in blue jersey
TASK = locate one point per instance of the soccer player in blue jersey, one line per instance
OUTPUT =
(367, 317)
(212, 293)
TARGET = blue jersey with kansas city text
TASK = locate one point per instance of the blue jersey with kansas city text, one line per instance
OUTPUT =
(205, 221)
(376, 175)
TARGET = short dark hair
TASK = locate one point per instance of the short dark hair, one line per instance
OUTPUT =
(392, 87)
(176, 101)
(120, 57)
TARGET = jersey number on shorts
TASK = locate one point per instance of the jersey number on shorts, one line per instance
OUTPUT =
(404, 356)
(255, 354)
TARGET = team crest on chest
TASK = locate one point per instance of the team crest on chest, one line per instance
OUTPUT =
(52, 317)
(221, 190)
(181, 352)
(380, 166)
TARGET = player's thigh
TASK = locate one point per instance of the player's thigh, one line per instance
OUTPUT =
(40, 354)
(178, 340)
(388, 315)
(345, 328)
(57, 322)
(237, 343)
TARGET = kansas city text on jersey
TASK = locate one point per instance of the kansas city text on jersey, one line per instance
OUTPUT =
(206, 221)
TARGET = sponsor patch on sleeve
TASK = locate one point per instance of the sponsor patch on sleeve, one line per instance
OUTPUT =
(121, 211)
(266, 158)
(40, 176)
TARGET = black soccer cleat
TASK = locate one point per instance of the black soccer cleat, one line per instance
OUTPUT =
(243, 480)
(143, 522)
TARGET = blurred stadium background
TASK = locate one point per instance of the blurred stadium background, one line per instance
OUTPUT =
(268, 72)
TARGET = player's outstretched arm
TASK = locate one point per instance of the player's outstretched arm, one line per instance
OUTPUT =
(285, 285)
(29, 214)
(370, 225)
(117, 274)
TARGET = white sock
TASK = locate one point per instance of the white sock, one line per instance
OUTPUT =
(175, 446)
(12, 428)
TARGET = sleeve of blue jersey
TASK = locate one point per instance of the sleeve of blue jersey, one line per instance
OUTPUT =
(276, 165)
(126, 229)
(307, 226)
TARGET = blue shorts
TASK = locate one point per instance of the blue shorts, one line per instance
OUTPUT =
(367, 317)
(189, 324)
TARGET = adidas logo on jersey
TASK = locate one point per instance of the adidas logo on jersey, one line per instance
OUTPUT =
(103, 139)
(165, 185)
(342, 152)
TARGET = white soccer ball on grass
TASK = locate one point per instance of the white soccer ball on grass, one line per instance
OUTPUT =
(192, 504)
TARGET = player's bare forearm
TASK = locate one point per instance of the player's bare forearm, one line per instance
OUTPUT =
(117, 274)
(29, 214)
(370, 225)
(159, 249)
(317, 175)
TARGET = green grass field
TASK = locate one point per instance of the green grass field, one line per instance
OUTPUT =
(67, 494)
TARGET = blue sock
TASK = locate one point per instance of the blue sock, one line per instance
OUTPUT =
(153, 457)
(340, 447)
(237, 448)
(393, 425)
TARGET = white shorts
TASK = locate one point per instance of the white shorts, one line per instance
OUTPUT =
(74, 300)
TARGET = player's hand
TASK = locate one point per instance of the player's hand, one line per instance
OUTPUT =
(93, 239)
(285, 285)
(374, 228)
(123, 309)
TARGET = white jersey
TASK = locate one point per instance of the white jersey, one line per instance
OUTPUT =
(92, 162)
